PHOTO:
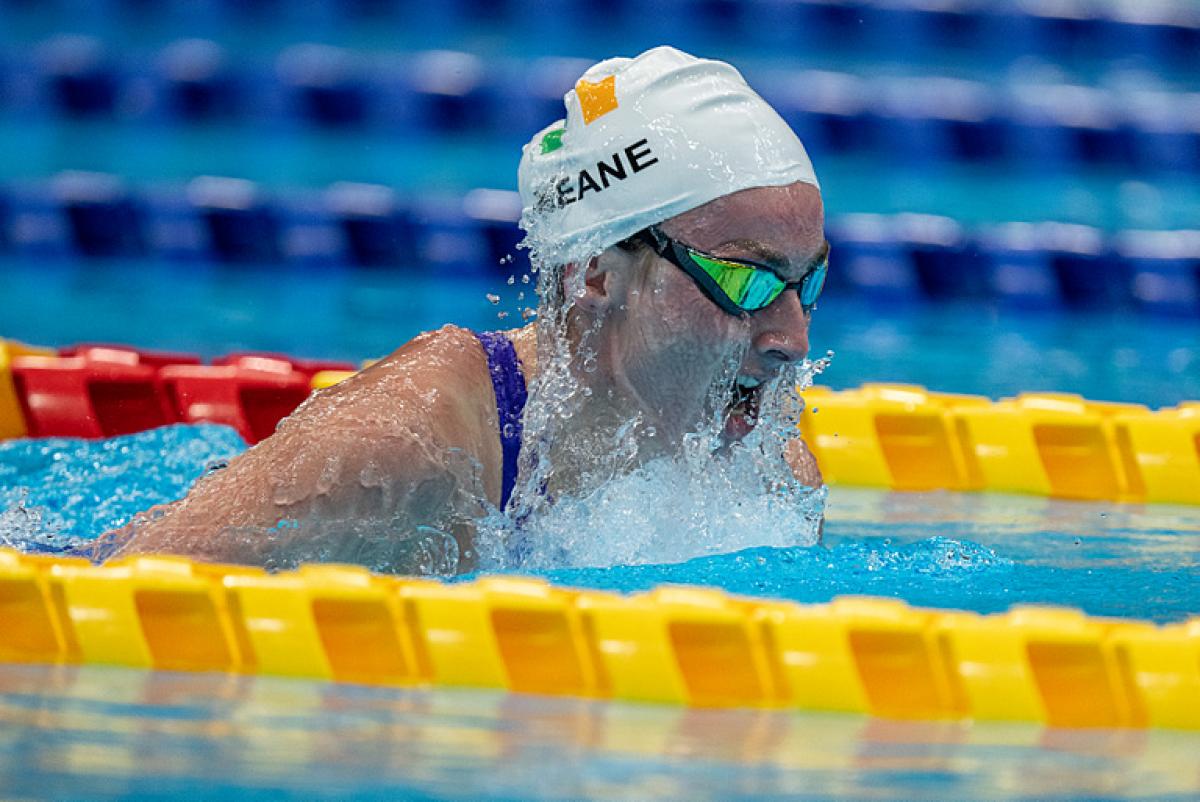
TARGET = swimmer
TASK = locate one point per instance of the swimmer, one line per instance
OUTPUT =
(678, 226)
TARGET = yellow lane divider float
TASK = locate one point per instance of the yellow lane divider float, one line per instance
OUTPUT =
(905, 437)
(683, 645)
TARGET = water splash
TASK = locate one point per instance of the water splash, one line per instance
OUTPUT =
(633, 493)
(665, 511)
(25, 527)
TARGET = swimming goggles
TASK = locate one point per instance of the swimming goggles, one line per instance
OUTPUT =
(737, 286)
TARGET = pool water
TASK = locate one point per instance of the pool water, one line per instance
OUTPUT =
(950, 550)
(72, 732)
(106, 733)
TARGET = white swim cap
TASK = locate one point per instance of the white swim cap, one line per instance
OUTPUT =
(646, 139)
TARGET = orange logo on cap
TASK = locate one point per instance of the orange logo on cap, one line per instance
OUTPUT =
(597, 99)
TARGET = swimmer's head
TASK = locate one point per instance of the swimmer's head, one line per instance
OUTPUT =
(668, 148)
(646, 139)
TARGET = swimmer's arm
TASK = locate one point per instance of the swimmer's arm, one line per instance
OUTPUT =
(804, 463)
(386, 452)
(281, 503)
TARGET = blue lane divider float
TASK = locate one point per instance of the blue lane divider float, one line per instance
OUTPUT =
(917, 120)
(890, 258)
(997, 31)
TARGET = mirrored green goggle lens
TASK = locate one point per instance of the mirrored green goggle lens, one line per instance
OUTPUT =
(753, 288)
(814, 282)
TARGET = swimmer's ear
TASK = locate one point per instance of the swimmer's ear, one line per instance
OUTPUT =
(597, 286)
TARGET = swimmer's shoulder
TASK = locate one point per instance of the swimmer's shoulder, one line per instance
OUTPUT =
(436, 372)
(437, 346)
(450, 357)
(437, 383)
(453, 357)
(444, 357)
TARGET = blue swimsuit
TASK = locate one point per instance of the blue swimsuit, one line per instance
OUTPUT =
(509, 384)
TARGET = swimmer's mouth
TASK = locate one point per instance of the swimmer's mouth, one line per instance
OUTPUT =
(742, 412)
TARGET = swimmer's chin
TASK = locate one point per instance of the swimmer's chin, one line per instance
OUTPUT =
(741, 413)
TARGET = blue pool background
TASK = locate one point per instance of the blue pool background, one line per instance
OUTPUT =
(357, 314)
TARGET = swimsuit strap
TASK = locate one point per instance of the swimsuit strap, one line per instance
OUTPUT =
(509, 384)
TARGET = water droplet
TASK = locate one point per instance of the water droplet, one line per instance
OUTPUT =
(493, 298)
(283, 495)
(216, 465)
(512, 280)
(525, 279)
(371, 475)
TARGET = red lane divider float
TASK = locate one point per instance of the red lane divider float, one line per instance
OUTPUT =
(309, 367)
(102, 391)
(252, 395)
(104, 352)
(84, 396)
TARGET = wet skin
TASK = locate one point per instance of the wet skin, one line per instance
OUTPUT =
(664, 342)
(412, 440)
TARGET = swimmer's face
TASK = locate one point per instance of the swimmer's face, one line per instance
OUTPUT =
(670, 345)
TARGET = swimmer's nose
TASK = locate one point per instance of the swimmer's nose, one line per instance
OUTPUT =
(782, 336)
